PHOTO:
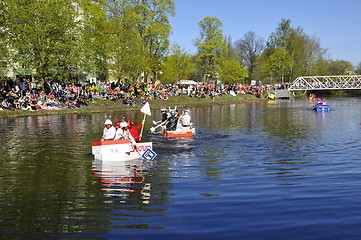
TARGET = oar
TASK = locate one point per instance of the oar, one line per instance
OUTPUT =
(152, 129)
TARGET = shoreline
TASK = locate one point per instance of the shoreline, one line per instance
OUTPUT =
(99, 106)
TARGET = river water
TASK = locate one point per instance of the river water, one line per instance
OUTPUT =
(272, 170)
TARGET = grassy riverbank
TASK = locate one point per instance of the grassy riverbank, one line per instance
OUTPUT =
(99, 105)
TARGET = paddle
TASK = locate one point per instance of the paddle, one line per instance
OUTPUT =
(152, 129)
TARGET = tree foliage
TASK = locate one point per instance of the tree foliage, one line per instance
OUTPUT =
(57, 40)
(277, 65)
(248, 49)
(155, 29)
(42, 35)
(303, 50)
(128, 40)
(211, 46)
(125, 46)
(179, 65)
(93, 38)
(232, 72)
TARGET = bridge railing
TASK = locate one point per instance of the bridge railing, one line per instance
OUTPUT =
(326, 82)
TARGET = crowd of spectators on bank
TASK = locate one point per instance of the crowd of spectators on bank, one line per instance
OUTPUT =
(32, 95)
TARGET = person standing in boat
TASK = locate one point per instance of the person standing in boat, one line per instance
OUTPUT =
(134, 130)
(108, 131)
(122, 132)
(185, 119)
(165, 114)
(173, 121)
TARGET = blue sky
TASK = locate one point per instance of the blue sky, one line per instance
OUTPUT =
(335, 23)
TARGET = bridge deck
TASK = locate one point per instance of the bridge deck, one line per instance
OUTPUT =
(326, 82)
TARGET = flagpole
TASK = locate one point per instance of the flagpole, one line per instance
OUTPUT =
(146, 110)
(141, 131)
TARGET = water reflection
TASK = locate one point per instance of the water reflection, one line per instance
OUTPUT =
(123, 179)
(242, 158)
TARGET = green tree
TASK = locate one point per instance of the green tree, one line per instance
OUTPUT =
(125, 47)
(155, 29)
(326, 67)
(93, 38)
(303, 50)
(231, 72)
(43, 37)
(231, 52)
(177, 66)
(341, 67)
(277, 65)
(248, 49)
(211, 46)
(4, 51)
(138, 33)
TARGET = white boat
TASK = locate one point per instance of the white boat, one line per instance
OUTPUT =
(121, 150)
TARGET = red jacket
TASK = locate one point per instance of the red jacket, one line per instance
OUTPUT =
(134, 130)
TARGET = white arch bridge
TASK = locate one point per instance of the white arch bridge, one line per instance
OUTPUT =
(326, 82)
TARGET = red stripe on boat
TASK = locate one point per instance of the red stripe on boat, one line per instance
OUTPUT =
(111, 142)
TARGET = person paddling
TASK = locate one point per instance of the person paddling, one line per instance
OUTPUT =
(185, 119)
(108, 131)
(123, 133)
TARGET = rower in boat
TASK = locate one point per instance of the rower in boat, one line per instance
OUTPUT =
(123, 147)
(185, 119)
(108, 131)
(173, 121)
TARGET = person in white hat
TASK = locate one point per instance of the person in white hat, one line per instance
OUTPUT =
(122, 132)
(109, 131)
(165, 116)
(185, 119)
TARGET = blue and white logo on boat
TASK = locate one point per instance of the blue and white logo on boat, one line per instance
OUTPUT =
(149, 154)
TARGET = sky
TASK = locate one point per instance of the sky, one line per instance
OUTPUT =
(335, 23)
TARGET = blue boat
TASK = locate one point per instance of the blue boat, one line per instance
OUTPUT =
(322, 107)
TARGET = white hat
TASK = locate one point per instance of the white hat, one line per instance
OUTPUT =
(123, 124)
(163, 110)
(108, 122)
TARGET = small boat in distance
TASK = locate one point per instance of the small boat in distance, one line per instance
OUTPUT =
(174, 124)
(179, 132)
(312, 97)
(322, 107)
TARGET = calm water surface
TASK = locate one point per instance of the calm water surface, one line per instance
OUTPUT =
(274, 170)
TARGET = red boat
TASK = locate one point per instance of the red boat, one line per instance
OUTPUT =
(179, 132)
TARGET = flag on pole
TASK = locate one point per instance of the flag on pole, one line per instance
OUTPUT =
(146, 109)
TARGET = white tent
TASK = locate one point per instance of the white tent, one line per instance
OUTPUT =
(187, 82)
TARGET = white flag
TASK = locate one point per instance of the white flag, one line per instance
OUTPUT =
(146, 109)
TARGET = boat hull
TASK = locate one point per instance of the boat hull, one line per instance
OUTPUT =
(322, 108)
(118, 150)
(182, 132)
